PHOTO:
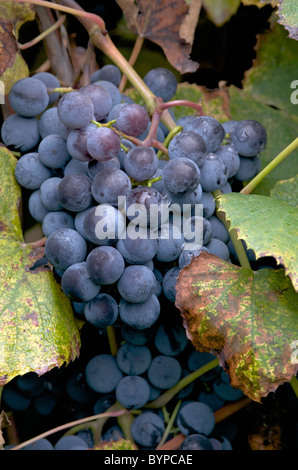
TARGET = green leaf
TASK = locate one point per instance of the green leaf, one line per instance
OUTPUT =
(268, 226)
(266, 97)
(38, 330)
(247, 319)
(287, 12)
(220, 11)
(12, 17)
(287, 191)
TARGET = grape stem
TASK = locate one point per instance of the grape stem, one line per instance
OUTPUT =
(260, 176)
(44, 34)
(169, 425)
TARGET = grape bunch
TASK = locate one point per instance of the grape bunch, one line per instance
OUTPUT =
(103, 204)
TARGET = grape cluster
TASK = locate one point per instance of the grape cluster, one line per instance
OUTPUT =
(79, 161)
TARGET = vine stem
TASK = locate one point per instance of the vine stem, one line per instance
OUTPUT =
(43, 35)
(109, 414)
(132, 60)
(260, 176)
(73, 11)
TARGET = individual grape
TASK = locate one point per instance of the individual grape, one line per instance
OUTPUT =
(214, 173)
(31, 383)
(45, 403)
(100, 98)
(13, 399)
(40, 444)
(164, 372)
(77, 143)
(113, 434)
(112, 89)
(79, 222)
(249, 253)
(74, 192)
(162, 82)
(50, 81)
(184, 202)
(53, 152)
(170, 339)
(170, 243)
(249, 168)
(30, 172)
(69, 443)
(160, 136)
(77, 388)
(75, 166)
(224, 390)
(20, 133)
(230, 157)
(226, 188)
(136, 284)
(114, 112)
(50, 123)
(133, 359)
(197, 231)
(55, 220)
(132, 119)
(103, 403)
(211, 399)
(169, 283)
(218, 248)
(140, 316)
(48, 193)
(135, 336)
(218, 229)
(181, 175)
(101, 311)
(105, 265)
(122, 153)
(186, 121)
(147, 429)
(28, 97)
(188, 144)
(132, 392)
(109, 184)
(102, 373)
(103, 224)
(229, 126)
(137, 250)
(141, 163)
(196, 417)
(36, 208)
(187, 255)
(126, 99)
(196, 442)
(75, 109)
(197, 359)
(249, 138)
(103, 144)
(146, 206)
(77, 284)
(108, 72)
(210, 130)
(65, 247)
(95, 166)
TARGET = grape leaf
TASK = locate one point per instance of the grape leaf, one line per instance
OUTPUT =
(287, 191)
(287, 13)
(37, 328)
(220, 11)
(170, 25)
(12, 65)
(268, 226)
(247, 319)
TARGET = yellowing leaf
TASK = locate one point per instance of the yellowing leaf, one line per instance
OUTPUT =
(288, 16)
(12, 65)
(37, 328)
(247, 319)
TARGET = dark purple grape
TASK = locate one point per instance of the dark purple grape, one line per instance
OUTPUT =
(132, 119)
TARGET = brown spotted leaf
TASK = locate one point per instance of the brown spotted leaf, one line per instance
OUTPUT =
(171, 25)
(247, 319)
(37, 328)
(12, 65)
